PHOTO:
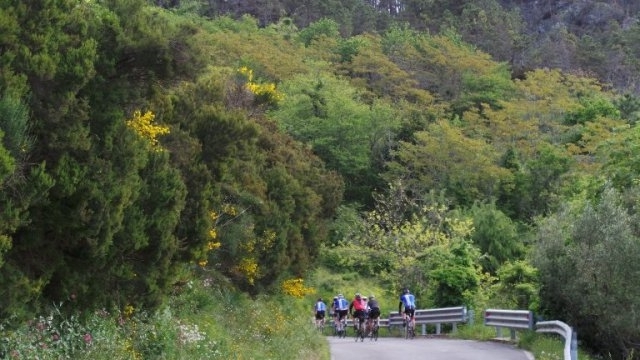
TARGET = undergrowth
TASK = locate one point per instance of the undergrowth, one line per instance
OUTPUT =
(201, 321)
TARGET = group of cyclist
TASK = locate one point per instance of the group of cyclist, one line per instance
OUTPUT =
(366, 310)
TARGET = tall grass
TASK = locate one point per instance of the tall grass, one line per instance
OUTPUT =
(200, 322)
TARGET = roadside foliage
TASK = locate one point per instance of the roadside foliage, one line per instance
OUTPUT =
(144, 145)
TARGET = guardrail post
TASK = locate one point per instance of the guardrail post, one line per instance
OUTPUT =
(470, 317)
(498, 332)
(513, 334)
(574, 345)
(424, 329)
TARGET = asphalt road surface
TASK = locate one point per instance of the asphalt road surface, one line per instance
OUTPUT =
(423, 348)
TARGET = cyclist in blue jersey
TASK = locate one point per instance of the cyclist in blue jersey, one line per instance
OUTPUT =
(342, 308)
(409, 302)
(320, 309)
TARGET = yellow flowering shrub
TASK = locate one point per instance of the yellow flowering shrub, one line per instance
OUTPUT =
(264, 93)
(249, 268)
(229, 209)
(128, 311)
(144, 126)
(213, 233)
(296, 288)
(212, 244)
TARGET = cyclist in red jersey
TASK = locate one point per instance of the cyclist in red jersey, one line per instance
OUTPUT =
(360, 307)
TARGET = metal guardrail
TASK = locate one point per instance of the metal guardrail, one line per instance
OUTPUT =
(510, 319)
(450, 315)
(560, 328)
(523, 320)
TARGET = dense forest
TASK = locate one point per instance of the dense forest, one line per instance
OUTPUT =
(480, 152)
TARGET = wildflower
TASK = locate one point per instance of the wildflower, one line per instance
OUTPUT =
(40, 326)
(87, 338)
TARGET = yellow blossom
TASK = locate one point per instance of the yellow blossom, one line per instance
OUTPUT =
(145, 128)
(249, 268)
(296, 288)
(213, 245)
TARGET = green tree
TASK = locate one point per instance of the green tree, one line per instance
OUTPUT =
(496, 236)
(277, 194)
(619, 155)
(453, 274)
(587, 257)
(7, 167)
(321, 28)
(492, 28)
(326, 113)
(537, 186)
(519, 287)
(443, 158)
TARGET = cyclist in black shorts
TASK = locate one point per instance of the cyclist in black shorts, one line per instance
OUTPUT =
(342, 309)
(320, 308)
(374, 311)
(409, 302)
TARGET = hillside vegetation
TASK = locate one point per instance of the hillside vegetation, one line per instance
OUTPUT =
(143, 146)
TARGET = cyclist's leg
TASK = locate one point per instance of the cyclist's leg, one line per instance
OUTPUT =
(413, 318)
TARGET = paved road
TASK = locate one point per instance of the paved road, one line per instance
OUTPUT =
(421, 348)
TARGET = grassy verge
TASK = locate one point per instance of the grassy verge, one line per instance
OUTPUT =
(201, 322)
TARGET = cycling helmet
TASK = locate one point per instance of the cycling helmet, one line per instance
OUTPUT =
(357, 295)
(405, 291)
(335, 298)
(371, 296)
(340, 296)
(319, 299)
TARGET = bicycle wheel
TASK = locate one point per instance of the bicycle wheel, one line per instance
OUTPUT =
(408, 329)
(374, 332)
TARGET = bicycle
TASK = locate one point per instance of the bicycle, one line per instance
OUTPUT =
(320, 326)
(373, 327)
(340, 328)
(360, 328)
(410, 328)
